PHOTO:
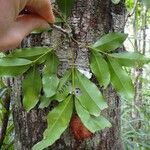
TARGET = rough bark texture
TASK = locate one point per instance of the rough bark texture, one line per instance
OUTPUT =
(90, 19)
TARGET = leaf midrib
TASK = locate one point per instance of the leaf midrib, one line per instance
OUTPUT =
(86, 91)
(59, 115)
(99, 70)
(123, 85)
(108, 43)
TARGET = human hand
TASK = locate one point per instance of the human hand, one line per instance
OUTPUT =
(15, 26)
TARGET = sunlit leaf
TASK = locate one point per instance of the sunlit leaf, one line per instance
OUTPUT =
(110, 41)
(65, 7)
(58, 121)
(100, 68)
(13, 66)
(88, 94)
(130, 59)
(32, 85)
(92, 123)
(120, 80)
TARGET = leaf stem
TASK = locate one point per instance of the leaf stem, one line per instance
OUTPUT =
(97, 50)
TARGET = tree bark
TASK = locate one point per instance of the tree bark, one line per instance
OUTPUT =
(89, 20)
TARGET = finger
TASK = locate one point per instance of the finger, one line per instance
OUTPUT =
(7, 15)
(42, 8)
(25, 24)
(21, 28)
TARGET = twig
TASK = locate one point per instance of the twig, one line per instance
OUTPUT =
(66, 32)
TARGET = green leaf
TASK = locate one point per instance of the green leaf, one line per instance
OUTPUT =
(130, 59)
(45, 102)
(64, 87)
(58, 120)
(11, 62)
(13, 66)
(51, 64)
(65, 7)
(88, 94)
(120, 80)
(109, 42)
(32, 85)
(92, 123)
(50, 84)
(100, 68)
(50, 79)
(30, 53)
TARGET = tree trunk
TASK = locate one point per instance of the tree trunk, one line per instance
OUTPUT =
(89, 20)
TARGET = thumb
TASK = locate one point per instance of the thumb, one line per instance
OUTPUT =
(21, 28)
(42, 8)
